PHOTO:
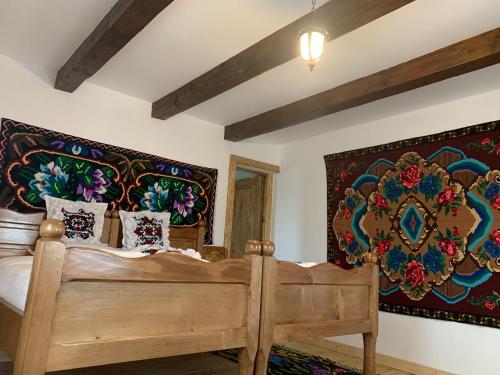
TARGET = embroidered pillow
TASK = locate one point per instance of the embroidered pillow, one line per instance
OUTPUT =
(145, 230)
(82, 221)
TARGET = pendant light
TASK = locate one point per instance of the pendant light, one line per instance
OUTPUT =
(312, 41)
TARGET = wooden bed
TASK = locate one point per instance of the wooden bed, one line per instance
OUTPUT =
(86, 307)
(320, 301)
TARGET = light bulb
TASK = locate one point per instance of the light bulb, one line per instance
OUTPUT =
(312, 42)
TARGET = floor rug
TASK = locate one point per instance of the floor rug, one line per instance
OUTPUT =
(283, 361)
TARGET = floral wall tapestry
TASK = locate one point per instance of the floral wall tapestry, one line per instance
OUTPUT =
(36, 162)
(429, 207)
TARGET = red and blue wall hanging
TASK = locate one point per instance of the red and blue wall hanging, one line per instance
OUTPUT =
(429, 207)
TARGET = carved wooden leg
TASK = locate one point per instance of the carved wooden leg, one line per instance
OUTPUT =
(266, 334)
(246, 362)
(36, 328)
(369, 342)
(262, 358)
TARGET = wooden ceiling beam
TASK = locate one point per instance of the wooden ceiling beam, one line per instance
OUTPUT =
(123, 22)
(338, 17)
(463, 57)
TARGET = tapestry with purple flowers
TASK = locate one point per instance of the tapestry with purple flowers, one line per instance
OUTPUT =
(429, 207)
(37, 162)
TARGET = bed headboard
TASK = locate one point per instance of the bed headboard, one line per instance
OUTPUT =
(19, 232)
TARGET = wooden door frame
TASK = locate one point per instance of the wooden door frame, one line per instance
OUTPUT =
(265, 169)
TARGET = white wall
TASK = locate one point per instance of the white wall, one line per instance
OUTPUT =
(107, 116)
(300, 231)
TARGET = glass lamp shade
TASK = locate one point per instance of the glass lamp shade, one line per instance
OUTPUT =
(312, 42)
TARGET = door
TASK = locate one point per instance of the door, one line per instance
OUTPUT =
(248, 211)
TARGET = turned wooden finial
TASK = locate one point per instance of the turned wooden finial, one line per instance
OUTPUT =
(370, 258)
(268, 248)
(52, 229)
(253, 247)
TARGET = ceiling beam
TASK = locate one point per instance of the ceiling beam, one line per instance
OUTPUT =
(124, 21)
(466, 56)
(338, 17)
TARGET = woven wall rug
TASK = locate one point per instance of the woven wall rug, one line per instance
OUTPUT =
(429, 207)
(36, 162)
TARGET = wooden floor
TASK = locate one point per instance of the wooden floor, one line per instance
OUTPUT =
(322, 349)
(209, 364)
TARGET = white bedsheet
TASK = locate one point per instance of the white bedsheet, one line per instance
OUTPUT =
(307, 264)
(14, 279)
(15, 272)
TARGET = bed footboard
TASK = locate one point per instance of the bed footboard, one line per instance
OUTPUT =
(320, 301)
(88, 308)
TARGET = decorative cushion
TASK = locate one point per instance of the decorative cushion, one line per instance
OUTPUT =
(145, 230)
(82, 221)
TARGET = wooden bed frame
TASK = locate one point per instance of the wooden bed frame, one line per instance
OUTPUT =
(320, 301)
(87, 307)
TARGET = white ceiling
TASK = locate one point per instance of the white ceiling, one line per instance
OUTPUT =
(47, 32)
(191, 36)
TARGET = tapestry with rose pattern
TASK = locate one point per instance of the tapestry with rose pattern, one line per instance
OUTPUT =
(37, 162)
(429, 207)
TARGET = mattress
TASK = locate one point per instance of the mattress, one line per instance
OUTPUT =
(15, 272)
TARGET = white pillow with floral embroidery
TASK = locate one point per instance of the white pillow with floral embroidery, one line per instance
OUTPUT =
(82, 221)
(145, 230)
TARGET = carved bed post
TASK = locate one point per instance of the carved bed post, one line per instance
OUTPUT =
(115, 229)
(36, 328)
(247, 355)
(266, 334)
(268, 248)
(253, 247)
(370, 338)
(202, 228)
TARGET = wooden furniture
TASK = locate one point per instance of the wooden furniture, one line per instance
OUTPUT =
(86, 307)
(18, 233)
(320, 301)
(215, 253)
